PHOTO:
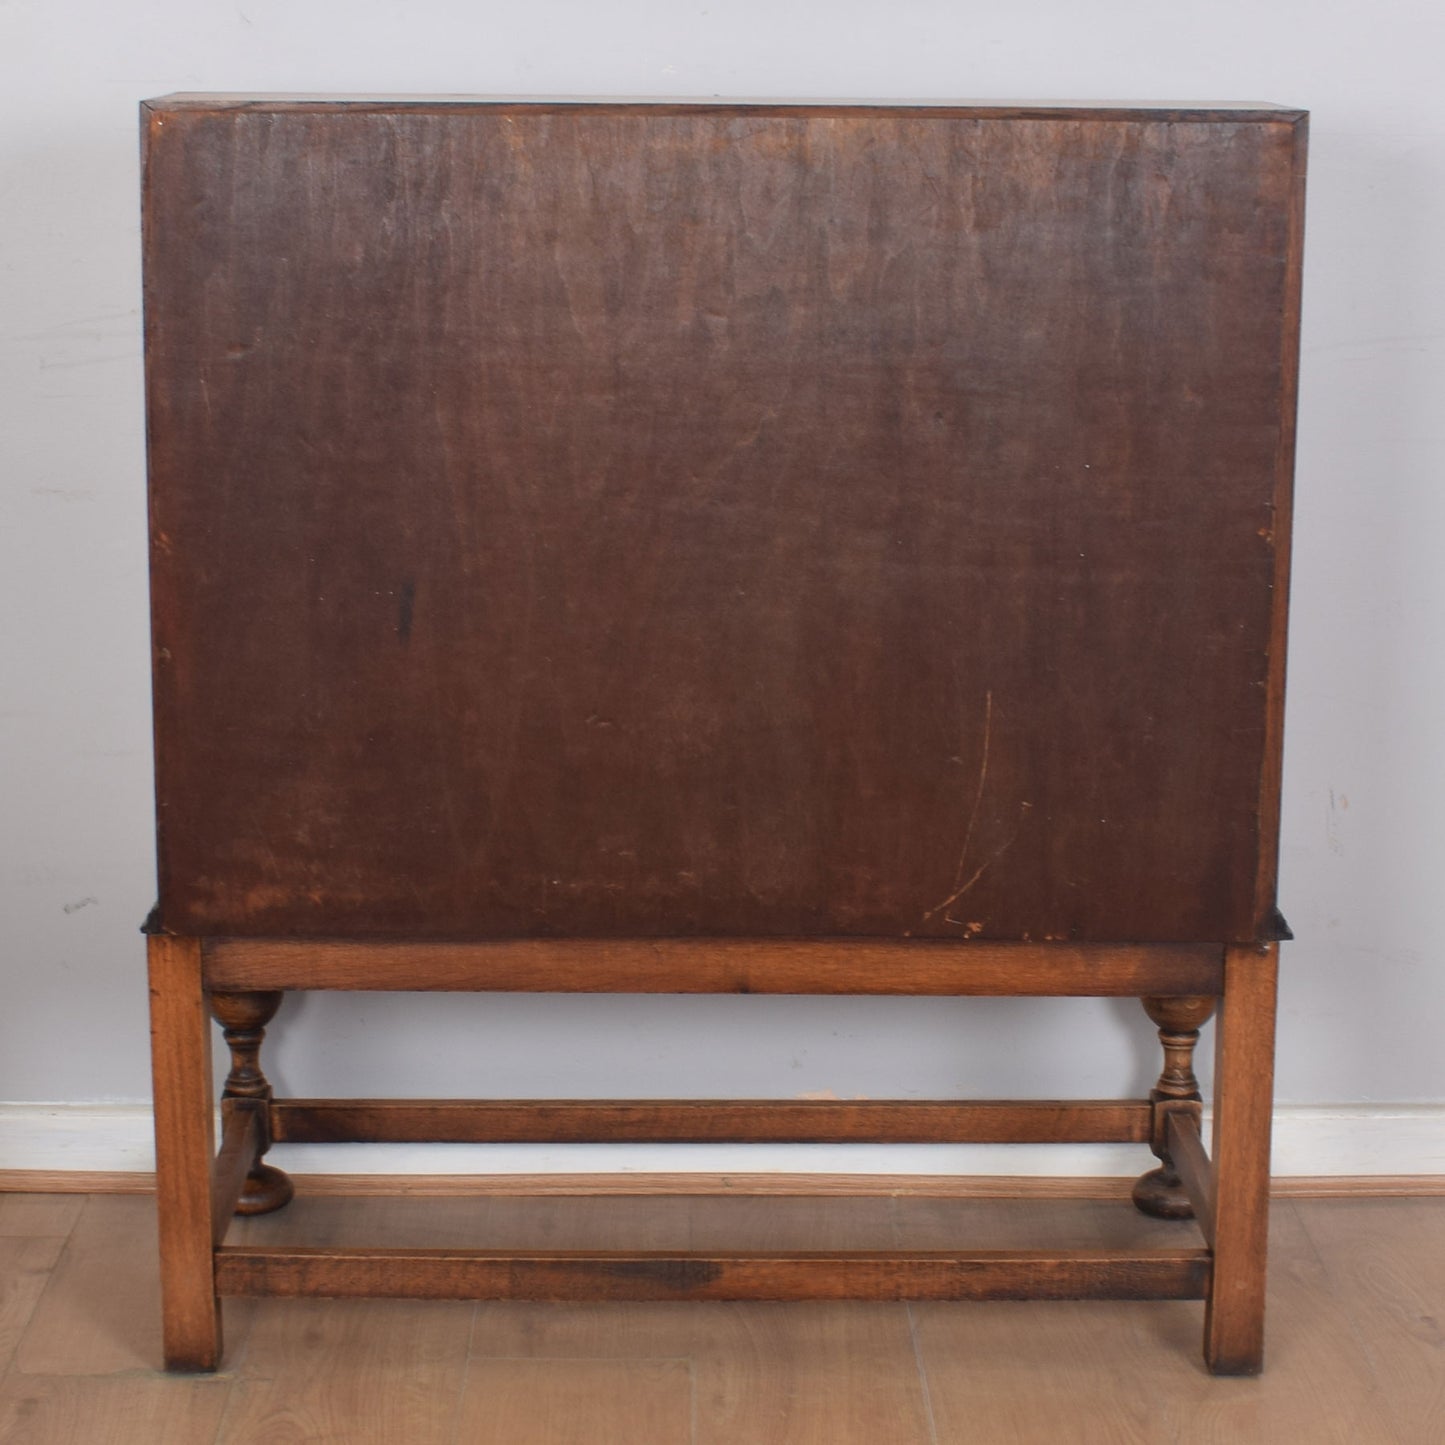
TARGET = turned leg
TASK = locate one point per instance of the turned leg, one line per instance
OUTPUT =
(1160, 1192)
(243, 1018)
(1243, 1102)
(185, 1143)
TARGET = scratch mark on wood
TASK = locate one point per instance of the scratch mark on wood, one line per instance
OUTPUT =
(983, 868)
(959, 886)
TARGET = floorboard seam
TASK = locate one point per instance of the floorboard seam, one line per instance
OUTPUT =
(465, 1372)
(922, 1375)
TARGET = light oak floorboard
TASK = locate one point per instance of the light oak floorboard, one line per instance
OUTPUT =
(774, 1373)
(39, 1215)
(766, 1373)
(100, 1313)
(349, 1372)
(1387, 1258)
(1318, 1384)
(25, 1266)
(1355, 1353)
(565, 1402)
(787, 1374)
(1132, 1374)
(74, 1410)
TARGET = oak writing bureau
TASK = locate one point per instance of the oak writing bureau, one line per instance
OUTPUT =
(684, 547)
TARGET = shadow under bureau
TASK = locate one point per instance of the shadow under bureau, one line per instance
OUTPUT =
(709, 548)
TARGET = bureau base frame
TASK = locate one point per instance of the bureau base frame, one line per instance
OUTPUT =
(241, 981)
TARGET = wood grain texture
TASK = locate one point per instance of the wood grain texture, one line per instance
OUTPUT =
(813, 1374)
(1388, 1260)
(743, 1184)
(604, 1402)
(718, 548)
(1354, 1358)
(1243, 1096)
(816, 966)
(25, 1266)
(350, 1372)
(244, 1017)
(957, 108)
(1318, 1386)
(70, 1183)
(185, 1146)
(1160, 1192)
(100, 1313)
(1196, 1173)
(1281, 532)
(18, 1183)
(707, 520)
(996, 1121)
(38, 1214)
(299, 1270)
(66, 1409)
(240, 1137)
(1108, 1374)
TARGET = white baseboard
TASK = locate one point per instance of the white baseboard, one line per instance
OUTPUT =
(1313, 1140)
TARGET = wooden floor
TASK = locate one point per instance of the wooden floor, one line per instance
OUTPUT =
(1356, 1335)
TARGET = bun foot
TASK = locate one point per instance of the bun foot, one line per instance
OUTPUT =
(267, 1188)
(1160, 1194)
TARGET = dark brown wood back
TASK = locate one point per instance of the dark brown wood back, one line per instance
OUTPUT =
(735, 520)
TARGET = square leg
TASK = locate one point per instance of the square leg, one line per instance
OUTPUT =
(185, 1148)
(1243, 1103)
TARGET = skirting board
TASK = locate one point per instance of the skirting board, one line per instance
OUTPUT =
(1344, 1141)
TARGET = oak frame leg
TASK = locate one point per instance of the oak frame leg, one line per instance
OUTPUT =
(185, 1146)
(1243, 1102)
(243, 1018)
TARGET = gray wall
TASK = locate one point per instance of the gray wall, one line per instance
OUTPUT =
(1363, 851)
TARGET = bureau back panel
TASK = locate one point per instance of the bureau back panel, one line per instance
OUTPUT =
(643, 521)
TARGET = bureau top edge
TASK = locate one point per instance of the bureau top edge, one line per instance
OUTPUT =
(1183, 111)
